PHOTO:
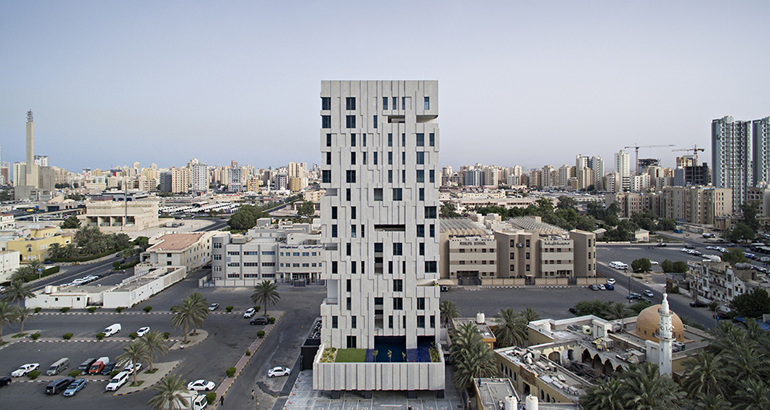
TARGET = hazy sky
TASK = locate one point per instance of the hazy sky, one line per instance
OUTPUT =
(520, 82)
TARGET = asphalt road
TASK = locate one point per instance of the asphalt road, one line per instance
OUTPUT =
(68, 273)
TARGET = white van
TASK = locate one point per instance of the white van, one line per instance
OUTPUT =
(112, 330)
(58, 366)
(119, 380)
(195, 401)
(618, 265)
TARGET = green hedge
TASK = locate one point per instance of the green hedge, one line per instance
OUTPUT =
(230, 372)
(46, 272)
(88, 258)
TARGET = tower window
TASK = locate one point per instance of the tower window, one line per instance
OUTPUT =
(326, 121)
(384, 103)
(350, 121)
(427, 103)
(326, 103)
(350, 103)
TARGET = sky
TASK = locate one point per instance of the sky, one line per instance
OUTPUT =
(528, 83)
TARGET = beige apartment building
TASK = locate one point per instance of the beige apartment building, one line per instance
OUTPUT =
(697, 205)
(191, 250)
(112, 216)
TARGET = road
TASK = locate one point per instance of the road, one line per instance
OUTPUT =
(68, 273)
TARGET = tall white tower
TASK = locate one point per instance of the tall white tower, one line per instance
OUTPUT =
(623, 167)
(666, 337)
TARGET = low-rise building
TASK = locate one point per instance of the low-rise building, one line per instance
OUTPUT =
(7, 221)
(191, 250)
(721, 282)
(113, 216)
(9, 263)
(34, 245)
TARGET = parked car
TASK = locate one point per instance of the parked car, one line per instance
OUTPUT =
(24, 369)
(721, 316)
(609, 286)
(445, 288)
(130, 368)
(201, 385)
(601, 287)
(213, 306)
(661, 245)
(4, 381)
(278, 371)
(654, 263)
(633, 296)
(593, 287)
(142, 331)
(648, 293)
(75, 387)
(108, 368)
(249, 313)
(83, 367)
(259, 320)
(698, 304)
(58, 386)
(58, 366)
(611, 281)
(119, 380)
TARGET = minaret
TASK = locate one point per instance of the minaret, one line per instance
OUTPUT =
(31, 174)
(666, 337)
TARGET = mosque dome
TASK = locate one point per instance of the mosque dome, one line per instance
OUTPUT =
(648, 324)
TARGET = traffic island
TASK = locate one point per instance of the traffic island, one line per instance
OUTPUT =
(192, 340)
(146, 380)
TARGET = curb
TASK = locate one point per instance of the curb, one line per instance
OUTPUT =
(238, 373)
(148, 385)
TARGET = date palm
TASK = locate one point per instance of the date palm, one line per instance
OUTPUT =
(646, 389)
(463, 339)
(449, 312)
(8, 315)
(704, 374)
(711, 402)
(743, 362)
(529, 314)
(54, 250)
(752, 394)
(134, 352)
(20, 273)
(604, 395)
(510, 329)
(192, 311)
(265, 293)
(170, 394)
(478, 361)
(23, 314)
(155, 344)
(17, 291)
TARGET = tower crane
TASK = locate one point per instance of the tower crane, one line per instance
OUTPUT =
(694, 150)
(636, 149)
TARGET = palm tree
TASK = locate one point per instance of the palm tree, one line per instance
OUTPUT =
(265, 293)
(154, 343)
(615, 311)
(752, 394)
(449, 312)
(35, 266)
(510, 329)
(466, 336)
(17, 291)
(743, 362)
(478, 361)
(705, 375)
(711, 402)
(20, 273)
(134, 352)
(646, 389)
(54, 250)
(8, 315)
(604, 395)
(23, 314)
(530, 314)
(170, 394)
(192, 311)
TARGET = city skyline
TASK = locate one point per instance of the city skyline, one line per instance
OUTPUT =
(527, 84)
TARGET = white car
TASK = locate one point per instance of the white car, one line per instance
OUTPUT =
(142, 331)
(24, 369)
(654, 263)
(611, 281)
(129, 368)
(119, 380)
(601, 287)
(278, 371)
(648, 293)
(201, 385)
(250, 312)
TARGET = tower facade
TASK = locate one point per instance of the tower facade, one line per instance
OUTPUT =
(760, 136)
(379, 146)
(666, 337)
(731, 156)
(30, 175)
(623, 167)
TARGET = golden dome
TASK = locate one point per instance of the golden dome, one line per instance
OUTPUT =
(648, 324)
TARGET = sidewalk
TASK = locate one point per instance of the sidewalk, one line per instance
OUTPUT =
(244, 360)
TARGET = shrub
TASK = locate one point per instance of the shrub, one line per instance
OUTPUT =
(256, 308)
(230, 372)
(166, 335)
(35, 335)
(74, 373)
(116, 265)
(133, 335)
(100, 336)
(147, 309)
(33, 374)
(211, 398)
(64, 309)
(261, 334)
(229, 309)
(248, 353)
(271, 320)
(119, 309)
(38, 309)
(92, 309)
(67, 336)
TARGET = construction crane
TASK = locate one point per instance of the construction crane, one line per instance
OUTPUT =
(694, 150)
(636, 149)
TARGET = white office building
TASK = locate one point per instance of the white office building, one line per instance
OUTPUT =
(623, 167)
(379, 146)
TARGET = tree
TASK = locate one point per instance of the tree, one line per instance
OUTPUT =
(645, 388)
(510, 329)
(749, 210)
(753, 304)
(142, 242)
(529, 314)
(54, 250)
(752, 395)
(133, 353)
(734, 256)
(680, 267)
(307, 209)
(17, 291)
(604, 395)
(703, 375)
(170, 394)
(641, 265)
(22, 314)
(448, 210)
(666, 224)
(155, 344)
(8, 315)
(71, 222)
(478, 361)
(265, 293)
(448, 311)
(667, 266)
(192, 311)
(566, 202)
(741, 232)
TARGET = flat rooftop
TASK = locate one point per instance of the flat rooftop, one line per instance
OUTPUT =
(176, 241)
(461, 227)
(493, 390)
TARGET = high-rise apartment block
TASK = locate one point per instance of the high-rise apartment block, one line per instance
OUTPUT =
(731, 156)
(623, 167)
(379, 146)
(760, 136)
